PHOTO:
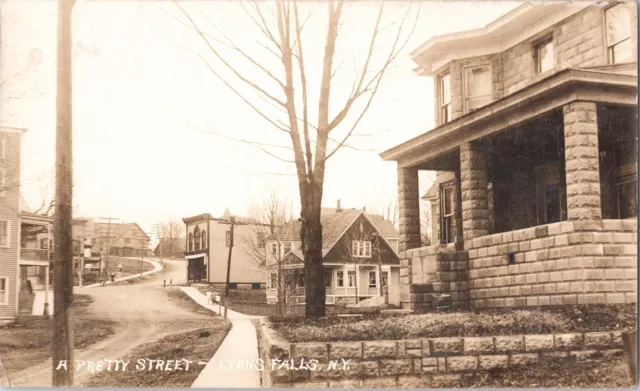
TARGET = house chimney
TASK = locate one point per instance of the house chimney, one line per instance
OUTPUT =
(338, 208)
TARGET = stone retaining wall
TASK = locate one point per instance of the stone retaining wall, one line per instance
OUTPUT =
(425, 362)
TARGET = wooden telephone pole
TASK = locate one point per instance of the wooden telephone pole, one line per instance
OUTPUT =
(62, 344)
(232, 220)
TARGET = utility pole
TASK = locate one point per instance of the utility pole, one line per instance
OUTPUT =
(105, 245)
(62, 344)
(230, 245)
(80, 240)
(159, 231)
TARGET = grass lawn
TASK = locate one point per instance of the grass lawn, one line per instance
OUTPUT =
(28, 342)
(129, 266)
(610, 372)
(196, 346)
(459, 324)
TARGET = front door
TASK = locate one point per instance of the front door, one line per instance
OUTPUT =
(197, 270)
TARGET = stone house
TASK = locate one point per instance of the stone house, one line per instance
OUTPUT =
(535, 149)
(359, 257)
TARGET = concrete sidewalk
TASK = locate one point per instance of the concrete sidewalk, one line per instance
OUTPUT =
(156, 268)
(239, 346)
(38, 303)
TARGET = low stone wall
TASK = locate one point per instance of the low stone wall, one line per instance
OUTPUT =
(426, 362)
(579, 262)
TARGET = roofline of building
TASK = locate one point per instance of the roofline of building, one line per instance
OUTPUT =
(11, 129)
(564, 78)
(529, 19)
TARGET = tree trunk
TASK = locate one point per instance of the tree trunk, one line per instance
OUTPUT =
(311, 236)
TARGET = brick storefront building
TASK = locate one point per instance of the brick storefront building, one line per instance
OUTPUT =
(535, 149)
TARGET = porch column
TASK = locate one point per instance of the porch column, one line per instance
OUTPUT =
(473, 186)
(409, 208)
(581, 161)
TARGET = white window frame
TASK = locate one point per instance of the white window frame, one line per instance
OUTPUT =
(447, 218)
(8, 234)
(340, 278)
(351, 273)
(361, 248)
(274, 249)
(444, 108)
(273, 280)
(537, 46)
(4, 298)
(375, 279)
(465, 97)
(610, 46)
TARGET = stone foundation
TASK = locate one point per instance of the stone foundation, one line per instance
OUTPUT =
(580, 262)
(424, 362)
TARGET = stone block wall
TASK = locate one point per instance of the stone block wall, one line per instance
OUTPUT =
(415, 363)
(581, 262)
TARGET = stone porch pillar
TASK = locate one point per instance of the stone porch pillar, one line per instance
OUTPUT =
(409, 208)
(581, 161)
(473, 185)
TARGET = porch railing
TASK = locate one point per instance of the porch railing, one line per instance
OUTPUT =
(34, 254)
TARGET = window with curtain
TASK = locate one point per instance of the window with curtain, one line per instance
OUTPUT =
(618, 25)
(478, 87)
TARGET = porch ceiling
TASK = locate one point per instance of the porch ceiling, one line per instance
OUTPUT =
(537, 99)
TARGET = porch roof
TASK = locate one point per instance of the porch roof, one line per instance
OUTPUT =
(542, 96)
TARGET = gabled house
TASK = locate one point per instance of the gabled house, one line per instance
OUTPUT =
(122, 239)
(207, 250)
(354, 246)
(536, 150)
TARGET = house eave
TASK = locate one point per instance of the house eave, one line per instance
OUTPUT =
(553, 91)
(517, 25)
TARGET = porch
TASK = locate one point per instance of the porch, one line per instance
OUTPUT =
(35, 255)
(535, 200)
(343, 283)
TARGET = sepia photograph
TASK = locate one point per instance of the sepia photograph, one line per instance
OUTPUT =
(318, 194)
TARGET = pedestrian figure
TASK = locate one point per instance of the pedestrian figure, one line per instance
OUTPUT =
(113, 277)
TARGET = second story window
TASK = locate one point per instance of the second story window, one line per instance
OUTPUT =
(196, 238)
(204, 238)
(274, 248)
(260, 239)
(445, 99)
(478, 87)
(190, 242)
(619, 46)
(4, 233)
(287, 247)
(544, 55)
(361, 249)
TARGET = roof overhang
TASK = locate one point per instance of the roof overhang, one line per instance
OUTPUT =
(10, 129)
(542, 96)
(517, 25)
(204, 216)
(26, 217)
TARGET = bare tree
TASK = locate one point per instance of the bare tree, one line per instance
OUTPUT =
(311, 142)
(172, 232)
(272, 218)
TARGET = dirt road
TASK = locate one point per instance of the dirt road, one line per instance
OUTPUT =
(143, 312)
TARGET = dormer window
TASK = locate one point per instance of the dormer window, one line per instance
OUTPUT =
(544, 55)
(478, 87)
(445, 99)
(619, 46)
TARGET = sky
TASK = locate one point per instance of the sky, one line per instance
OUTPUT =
(152, 125)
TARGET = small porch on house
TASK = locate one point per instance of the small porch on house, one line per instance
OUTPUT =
(535, 201)
(35, 251)
(346, 284)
